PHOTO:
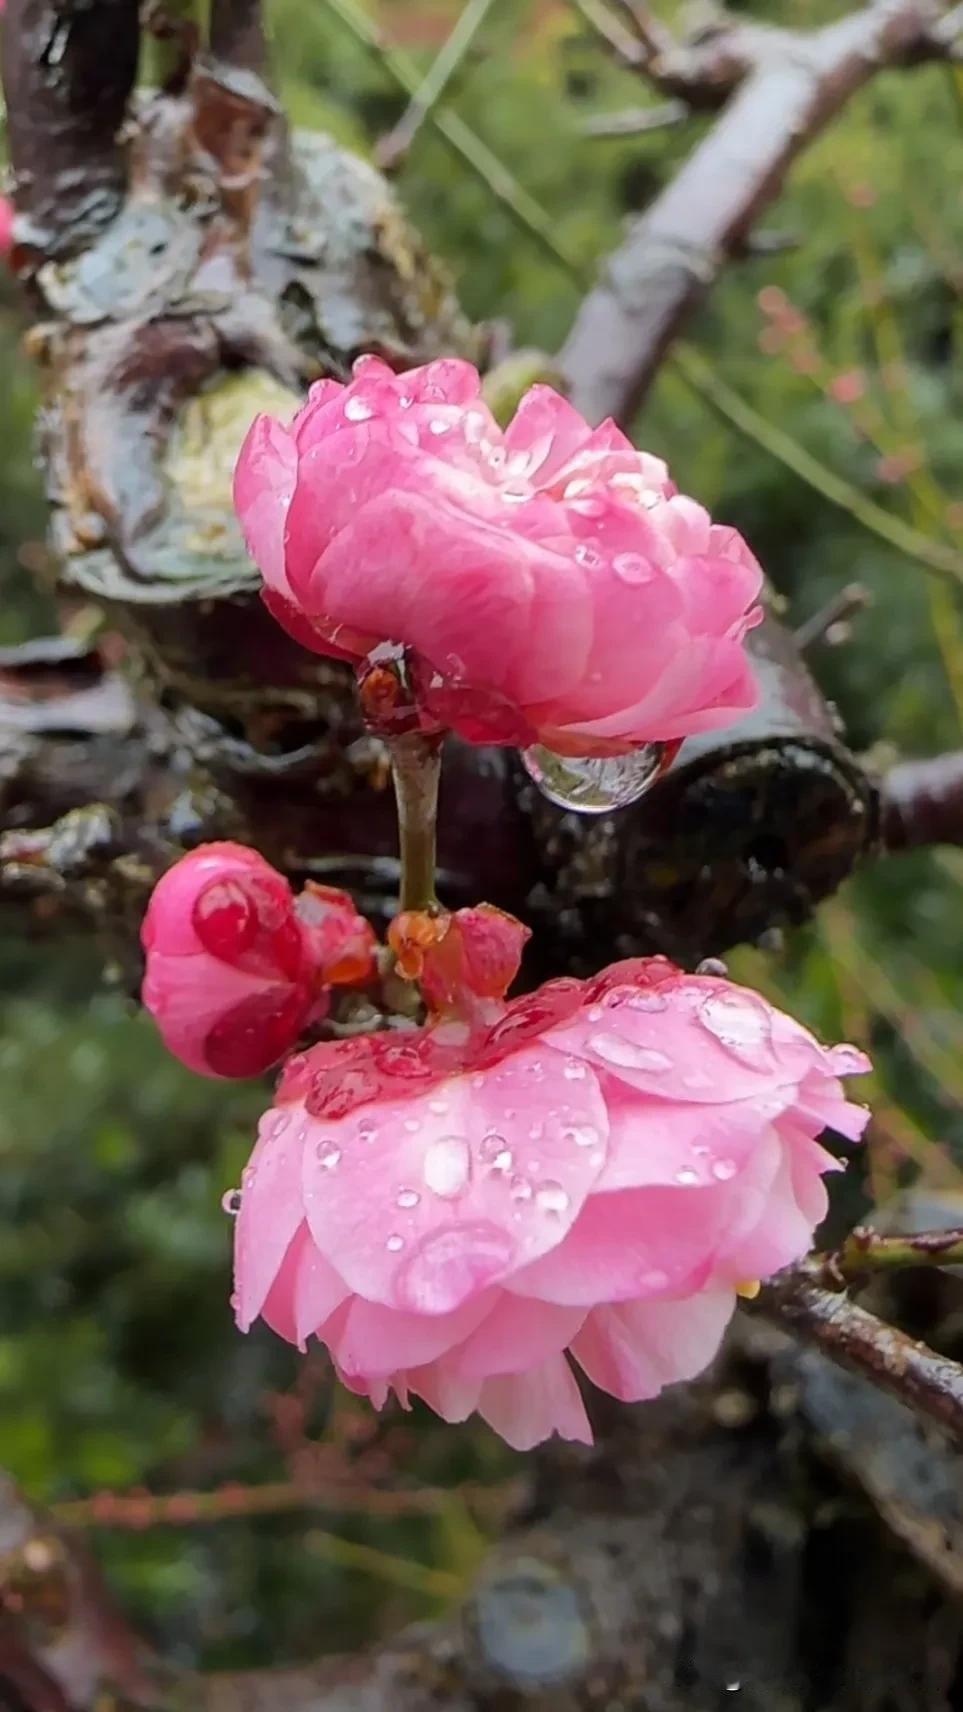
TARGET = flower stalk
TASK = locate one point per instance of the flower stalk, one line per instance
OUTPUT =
(416, 770)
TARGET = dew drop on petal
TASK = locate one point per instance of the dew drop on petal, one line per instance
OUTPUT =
(412, 1125)
(738, 1021)
(686, 1175)
(520, 1189)
(408, 1198)
(723, 1169)
(633, 568)
(574, 1070)
(583, 1135)
(231, 1202)
(648, 1002)
(366, 1130)
(615, 1049)
(395, 1244)
(551, 1198)
(277, 1125)
(447, 1166)
(439, 1107)
(439, 426)
(491, 1145)
(593, 784)
(357, 410)
(587, 556)
(328, 1154)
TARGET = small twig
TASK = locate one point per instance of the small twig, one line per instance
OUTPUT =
(141, 1510)
(929, 1383)
(635, 121)
(854, 598)
(865, 1252)
(624, 43)
(395, 145)
(460, 137)
(922, 802)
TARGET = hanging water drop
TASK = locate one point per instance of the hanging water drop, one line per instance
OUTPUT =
(231, 1202)
(594, 784)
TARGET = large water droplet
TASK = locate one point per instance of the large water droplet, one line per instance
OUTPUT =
(739, 1021)
(408, 1198)
(328, 1154)
(593, 784)
(447, 1166)
(491, 1145)
(231, 1202)
(615, 1049)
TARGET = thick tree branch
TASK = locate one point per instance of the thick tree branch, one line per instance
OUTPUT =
(68, 71)
(783, 89)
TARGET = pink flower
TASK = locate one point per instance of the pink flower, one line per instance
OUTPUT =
(6, 219)
(586, 1173)
(235, 969)
(548, 583)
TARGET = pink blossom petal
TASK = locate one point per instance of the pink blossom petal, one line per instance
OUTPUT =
(451, 1395)
(526, 1408)
(378, 1340)
(633, 1349)
(264, 483)
(519, 1333)
(271, 1212)
(421, 1202)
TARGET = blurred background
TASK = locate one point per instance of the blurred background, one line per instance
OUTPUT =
(120, 1369)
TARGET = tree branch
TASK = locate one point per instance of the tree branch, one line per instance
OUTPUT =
(68, 72)
(922, 803)
(784, 88)
(826, 1318)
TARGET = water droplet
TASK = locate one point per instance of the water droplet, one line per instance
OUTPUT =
(594, 1013)
(366, 1130)
(439, 1107)
(652, 1280)
(633, 568)
(551, 1198)
(587, 556)
(503, 1161)
(447, 1166)
(412, 1125)
(478, 1081)
(357, 410)
(395, 1244)
(647, 1002)
(615, 1049)
(739, 1021)
(574, 1070)
(405, 402)
(328, 1154)
(734, 1686)
(520, 1189)
(231, 1202)
(583, 1135)
(491, 1145)
(594, 784)
(439, 426)
(408, 1198)
(686, 1175)
(277, 1125)
(723, 1169)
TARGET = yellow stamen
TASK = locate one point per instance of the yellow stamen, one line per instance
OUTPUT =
(749, 1289)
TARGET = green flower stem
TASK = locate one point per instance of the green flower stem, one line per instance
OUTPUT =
(416, 769)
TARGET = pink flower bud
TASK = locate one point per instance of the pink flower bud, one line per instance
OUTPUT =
(590, 1172)
(234, 974)
(549, 584)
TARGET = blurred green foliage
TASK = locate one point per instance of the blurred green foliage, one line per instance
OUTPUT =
(119, 1365)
